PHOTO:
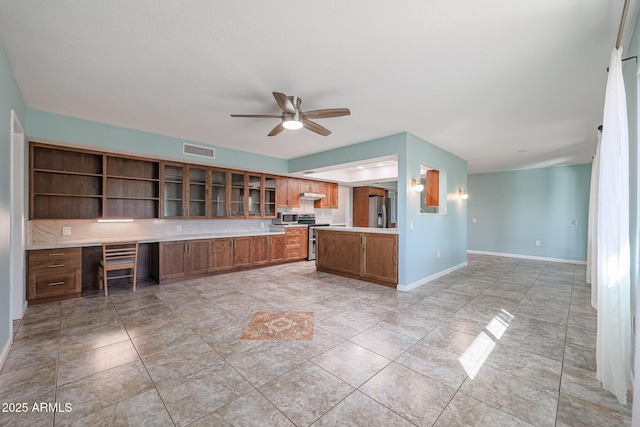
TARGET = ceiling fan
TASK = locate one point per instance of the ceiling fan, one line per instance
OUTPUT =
(294, 118)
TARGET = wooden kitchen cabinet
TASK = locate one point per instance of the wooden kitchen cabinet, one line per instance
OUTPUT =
(132, 188)
(222, 255)
(231, 253)
(65, 184)
(367, 256)
(330, 190)
(260, 250)
(287, 192)
(268, 249)
(54, 274)
(185, 190)
(380, 257)
(333, 195)
(433, 188)
(184, 259)
(277, 248)
(296, 242)
(339, 252)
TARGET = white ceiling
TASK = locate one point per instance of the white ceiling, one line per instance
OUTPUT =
(503, 84)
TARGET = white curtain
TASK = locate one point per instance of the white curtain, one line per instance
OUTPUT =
(592, 247)
(613, 351)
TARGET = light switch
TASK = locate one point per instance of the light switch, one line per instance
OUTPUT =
(473, 220)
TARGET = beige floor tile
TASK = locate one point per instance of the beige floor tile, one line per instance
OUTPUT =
(422, 405)
(351, 363)
(306, 393)
(358, 410)
(465, 411)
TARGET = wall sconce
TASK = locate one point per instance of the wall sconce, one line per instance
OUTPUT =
(463, 194)
(417, 186)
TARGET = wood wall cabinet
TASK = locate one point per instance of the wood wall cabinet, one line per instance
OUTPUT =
(219, 195)
(132, 188)
(330, 190)
(68, 183)
(65, 184)
(54, 274)
(433, 188)
(296, 242)
(184, 258)
(367, 256)
(361, 203)
(287, 192)
(185, 190)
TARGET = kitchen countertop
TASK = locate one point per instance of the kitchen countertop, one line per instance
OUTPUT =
(361, 229)
(67, 243)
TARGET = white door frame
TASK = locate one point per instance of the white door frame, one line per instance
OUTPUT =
(17, 228)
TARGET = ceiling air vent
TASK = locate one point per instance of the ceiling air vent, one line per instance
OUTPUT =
(195, 150)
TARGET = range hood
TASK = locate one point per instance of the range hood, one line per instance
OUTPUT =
(312, 196)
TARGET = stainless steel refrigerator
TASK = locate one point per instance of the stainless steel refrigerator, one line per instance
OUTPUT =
(377, 212)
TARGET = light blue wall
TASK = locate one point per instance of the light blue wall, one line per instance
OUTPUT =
(100, 136)
(432, 233)
(418, 246)
(10, 99)
(514, 209)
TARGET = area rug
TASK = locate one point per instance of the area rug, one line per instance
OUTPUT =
(279, 325)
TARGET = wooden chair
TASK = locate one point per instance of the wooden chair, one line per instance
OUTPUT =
(118, 257)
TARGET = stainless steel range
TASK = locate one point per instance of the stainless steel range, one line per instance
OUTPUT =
(310, 219)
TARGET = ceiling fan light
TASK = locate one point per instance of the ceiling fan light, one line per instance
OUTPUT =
(291, 123)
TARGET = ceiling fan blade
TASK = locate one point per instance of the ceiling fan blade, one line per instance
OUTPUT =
(258, 116)
(284, 102)
(276, 130)
(327, 113)
(314, 127)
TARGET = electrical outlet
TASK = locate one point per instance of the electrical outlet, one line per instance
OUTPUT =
(262, 225)
(438, 253)
(66, 231)
(574, 223)
(179, 227)
(410, 225)
(537, 242)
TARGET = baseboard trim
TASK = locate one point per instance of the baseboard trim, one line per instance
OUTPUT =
(537, 258)
(5, 351)
(405, 288)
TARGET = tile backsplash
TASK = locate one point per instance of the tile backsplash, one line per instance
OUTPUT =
(44, 231)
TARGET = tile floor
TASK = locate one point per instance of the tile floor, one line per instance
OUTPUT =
(501, 342)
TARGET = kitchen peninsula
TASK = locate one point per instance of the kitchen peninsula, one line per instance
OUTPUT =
(363, 253)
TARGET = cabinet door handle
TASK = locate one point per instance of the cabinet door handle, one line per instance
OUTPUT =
(55, 283)
(55, 265)
(57, 254)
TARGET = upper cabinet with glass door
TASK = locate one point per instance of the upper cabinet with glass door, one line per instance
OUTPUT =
(197, 192)
(238, 195)
(173, 181)
(255, 196)
(185, 189)
(269, 208)
(219, 186)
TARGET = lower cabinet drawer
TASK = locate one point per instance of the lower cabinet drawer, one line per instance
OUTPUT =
(47, 285)
(291, 253)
